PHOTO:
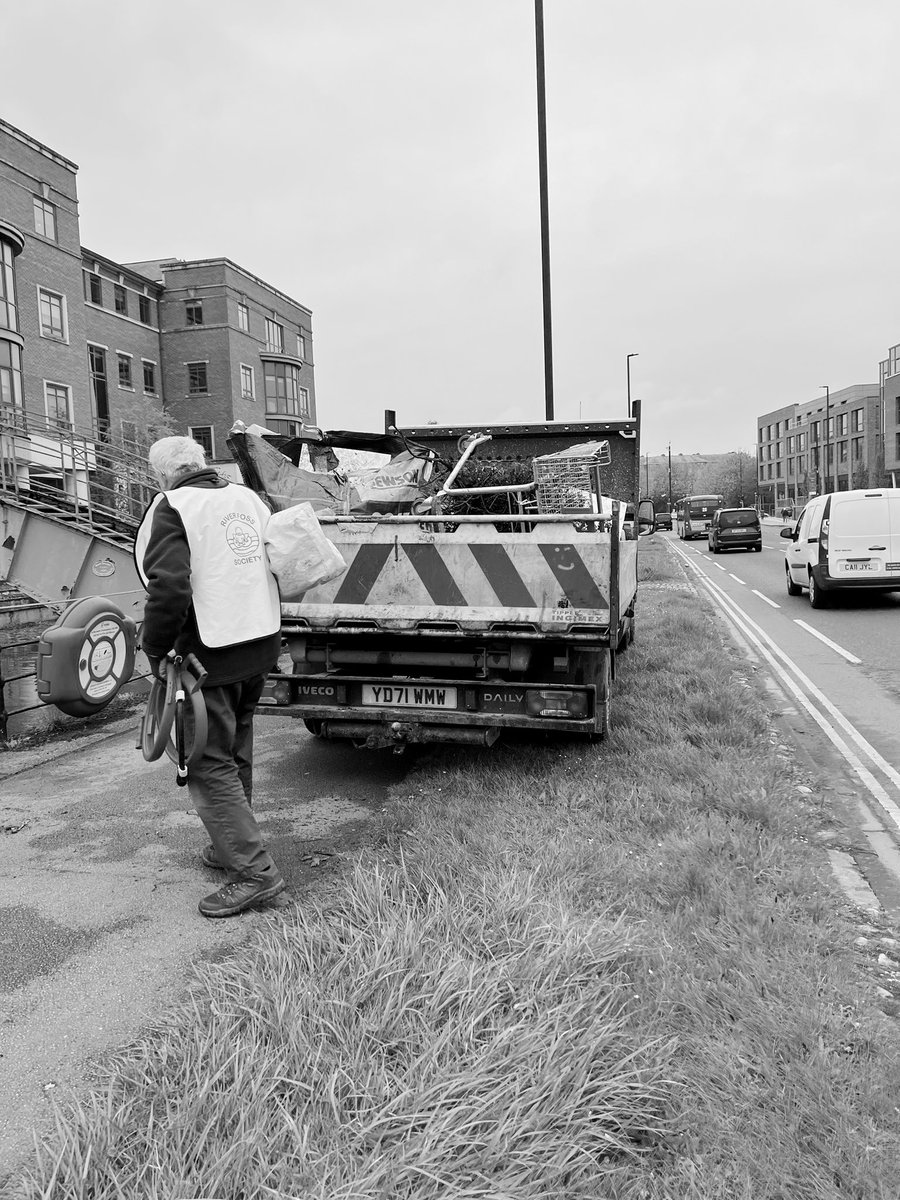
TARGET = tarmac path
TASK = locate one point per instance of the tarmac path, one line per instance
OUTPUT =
(100, 883)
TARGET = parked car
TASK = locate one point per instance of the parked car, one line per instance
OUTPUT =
(663, 520)
(845, 540)
(735, 529)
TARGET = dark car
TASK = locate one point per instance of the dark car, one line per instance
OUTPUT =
(663, 520)
(735, 529)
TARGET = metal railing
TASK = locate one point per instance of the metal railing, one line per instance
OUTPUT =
(92, 476)
(5, 713)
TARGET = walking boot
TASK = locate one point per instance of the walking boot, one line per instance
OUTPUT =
(240, 895)
(210, 858)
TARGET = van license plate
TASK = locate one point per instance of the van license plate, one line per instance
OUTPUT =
(408, 695)
(869, 565)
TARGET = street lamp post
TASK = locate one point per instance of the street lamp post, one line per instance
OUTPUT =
(628, 358)
(827, 444)
(545, 207)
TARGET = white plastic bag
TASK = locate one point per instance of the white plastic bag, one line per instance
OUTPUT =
(300, 555)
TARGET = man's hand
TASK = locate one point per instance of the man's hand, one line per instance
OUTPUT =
(157, 667)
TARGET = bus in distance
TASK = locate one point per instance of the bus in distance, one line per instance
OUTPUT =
(694, 513)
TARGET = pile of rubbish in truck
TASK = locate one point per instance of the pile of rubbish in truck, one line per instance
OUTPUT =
(355, 474)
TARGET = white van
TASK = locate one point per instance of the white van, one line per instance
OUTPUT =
(845, 540)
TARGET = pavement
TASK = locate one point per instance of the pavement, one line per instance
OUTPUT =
(98, 897)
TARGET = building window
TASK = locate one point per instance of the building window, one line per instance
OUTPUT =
(857, 420)
(149, 376)
(283, 391)
(301, 346)
(95, 289)
(193, 312)
(244, 318)
(99, 389)
(897, 413)
(204, 435)
(857, 449)
(52, 309)
(274, 337)
(897, 445)
(144, 309)
(45, 218)
(842, 452)
(248, 391)
(58, 404)
(120, 297)
(10, 375)
(9, 318)
(842, 424)
(790, 468)
(197, 384)
(124, 370)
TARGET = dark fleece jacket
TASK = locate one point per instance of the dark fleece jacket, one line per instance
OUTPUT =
(169, 621)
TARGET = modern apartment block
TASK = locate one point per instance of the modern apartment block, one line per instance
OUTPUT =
(117, 350)
(889, 375)
(831, 443)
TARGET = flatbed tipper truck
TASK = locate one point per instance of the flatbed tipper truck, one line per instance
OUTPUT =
(488, 607)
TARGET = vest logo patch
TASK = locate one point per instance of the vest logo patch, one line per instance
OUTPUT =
(242, 539)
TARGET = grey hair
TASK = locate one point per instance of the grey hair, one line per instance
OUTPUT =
(171, 457)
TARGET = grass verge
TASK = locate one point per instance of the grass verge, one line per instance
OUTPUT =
(572, 972)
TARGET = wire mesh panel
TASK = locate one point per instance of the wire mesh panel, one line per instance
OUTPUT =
(563, 479)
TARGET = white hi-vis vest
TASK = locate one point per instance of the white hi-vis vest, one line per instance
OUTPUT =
(235, 595)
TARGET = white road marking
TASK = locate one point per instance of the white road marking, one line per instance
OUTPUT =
(766, 598)
(771, 652)
(736, 580)
(719, 565)
(828, 642)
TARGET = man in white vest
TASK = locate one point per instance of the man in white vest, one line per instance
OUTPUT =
(201, 556)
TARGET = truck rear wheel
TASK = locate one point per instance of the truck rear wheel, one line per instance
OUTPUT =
(626, 636)
(602, 680)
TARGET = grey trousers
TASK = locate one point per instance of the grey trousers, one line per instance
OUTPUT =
(221, 782)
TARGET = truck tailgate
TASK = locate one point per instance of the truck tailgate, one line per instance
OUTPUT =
(551, 578)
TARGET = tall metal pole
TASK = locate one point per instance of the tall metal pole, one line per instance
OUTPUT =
(827, 445)
(628, 358)
(545, 207)
(670, 476)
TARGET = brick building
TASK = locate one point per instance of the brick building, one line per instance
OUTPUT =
(114, 349)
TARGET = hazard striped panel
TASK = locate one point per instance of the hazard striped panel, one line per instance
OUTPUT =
(474, 573)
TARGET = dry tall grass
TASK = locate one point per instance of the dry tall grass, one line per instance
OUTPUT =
(571, 973)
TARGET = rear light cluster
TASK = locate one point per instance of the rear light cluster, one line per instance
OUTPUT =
(555, 702)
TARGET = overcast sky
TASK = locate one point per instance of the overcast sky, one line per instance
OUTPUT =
(723, 189)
